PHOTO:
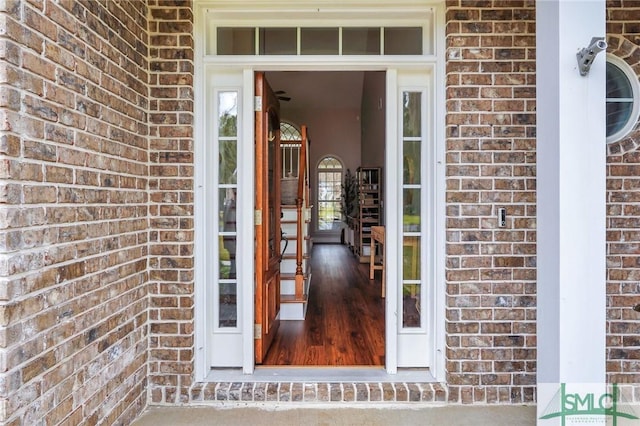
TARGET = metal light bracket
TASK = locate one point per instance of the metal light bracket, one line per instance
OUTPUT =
(587, 55)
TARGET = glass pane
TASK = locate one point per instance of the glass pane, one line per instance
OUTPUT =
(329, 216)
(618, 85)
(411, 163)
(290, 159)
(227, 203)
(288, 132)
(411, 114)
(330, 163)
(411, 305)
(411, 210)
(619, 99)
(228, 305)
(361, 41)
(278, 41)
(329, 186)
(411, 258)
(618, 115)
(228, 162)
(403, 41)
(227, 256)
(228, 114)
(236, 41)
(319, 41)
(273, 176)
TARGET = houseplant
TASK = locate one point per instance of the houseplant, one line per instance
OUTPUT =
(349, 196)
(349, 205)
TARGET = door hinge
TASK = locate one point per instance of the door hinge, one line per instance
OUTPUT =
(257, 103)
(257, 331)
(257, 217)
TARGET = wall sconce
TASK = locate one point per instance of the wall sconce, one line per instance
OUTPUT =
(587, 55)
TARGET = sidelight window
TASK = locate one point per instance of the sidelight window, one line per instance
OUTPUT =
(412, 211)
(227, 136)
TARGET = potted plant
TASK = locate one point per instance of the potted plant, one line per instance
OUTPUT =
(349, 205)
(349, 198)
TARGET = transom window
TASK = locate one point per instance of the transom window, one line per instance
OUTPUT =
(261, 41)
(623, 98)
(329, 194)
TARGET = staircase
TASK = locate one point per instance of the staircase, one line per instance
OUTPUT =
(295, 268)
(294, 307)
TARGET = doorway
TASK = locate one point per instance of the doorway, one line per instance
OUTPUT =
(405, 43)
(408, 180)
(345, 116)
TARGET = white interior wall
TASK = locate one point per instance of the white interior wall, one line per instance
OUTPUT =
(345, 117)
(331, 131)
(373, 119)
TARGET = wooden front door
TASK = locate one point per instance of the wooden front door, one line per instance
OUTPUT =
(267, 223)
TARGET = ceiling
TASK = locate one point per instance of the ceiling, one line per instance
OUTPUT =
(318, 89)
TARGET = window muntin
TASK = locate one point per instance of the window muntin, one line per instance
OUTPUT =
(329, 193)
(622, 99)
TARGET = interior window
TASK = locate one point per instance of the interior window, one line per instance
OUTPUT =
(290, 138)
(329, 193)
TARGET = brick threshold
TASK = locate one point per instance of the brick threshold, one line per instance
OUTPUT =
(317, 392)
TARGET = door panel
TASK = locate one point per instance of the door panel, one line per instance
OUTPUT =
(267, 261)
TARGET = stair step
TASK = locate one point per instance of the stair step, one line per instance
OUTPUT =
(293, 256)
(293, 236)
(292, 276)
(291, 298)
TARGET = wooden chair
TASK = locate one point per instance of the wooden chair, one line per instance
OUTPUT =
(377, 235)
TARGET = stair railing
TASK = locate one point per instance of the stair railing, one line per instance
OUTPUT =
(299, 278)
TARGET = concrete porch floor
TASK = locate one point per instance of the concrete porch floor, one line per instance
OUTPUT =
(272, 414)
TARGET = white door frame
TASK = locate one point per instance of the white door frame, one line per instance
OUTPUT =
(247, 67)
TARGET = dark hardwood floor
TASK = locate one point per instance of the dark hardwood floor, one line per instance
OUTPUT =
(345, 319)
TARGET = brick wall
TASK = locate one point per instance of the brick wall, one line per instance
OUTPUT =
(171, 351)
(623, 214)
(491, 164)
(490, 271)
(96, 146)
(73, 211)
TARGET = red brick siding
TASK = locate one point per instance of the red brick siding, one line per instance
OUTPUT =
(623, 214)
(73, 211)
(490, 145)
(96, 146)
(171, 352)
